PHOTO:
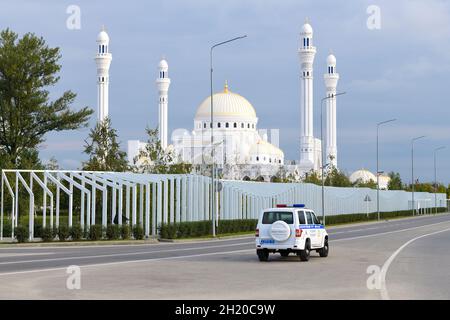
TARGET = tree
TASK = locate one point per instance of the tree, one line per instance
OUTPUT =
(336, 178)
(52, 164)
(361, 184)
(104, 149)
(395, 182)
(28, 67)
(312, 177)
(154, 159)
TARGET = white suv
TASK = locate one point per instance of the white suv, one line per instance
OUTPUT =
(293, 229)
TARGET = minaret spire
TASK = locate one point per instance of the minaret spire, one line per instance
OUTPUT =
(103, 61)
(331, 80)
(306, 54)
(163, 83)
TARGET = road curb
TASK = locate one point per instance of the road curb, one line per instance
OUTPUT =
(78, 243)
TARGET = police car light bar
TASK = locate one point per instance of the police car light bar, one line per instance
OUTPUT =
(297, 205)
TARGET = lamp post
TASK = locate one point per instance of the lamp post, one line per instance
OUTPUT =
(322, 149)
(213, 192)
(435, 178)
(412, 170)
(378, 171)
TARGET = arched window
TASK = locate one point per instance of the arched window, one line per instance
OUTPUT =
(227, 125)
(210, 124)
(248, 126)
(204, 125)
(218, 124)
(242, 125)
(257, 158)
(235, 125)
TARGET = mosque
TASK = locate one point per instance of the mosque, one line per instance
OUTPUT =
(240, 149)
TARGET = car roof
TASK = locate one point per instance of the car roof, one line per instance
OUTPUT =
(287, 208)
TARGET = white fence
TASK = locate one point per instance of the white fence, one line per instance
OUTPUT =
(151, 199)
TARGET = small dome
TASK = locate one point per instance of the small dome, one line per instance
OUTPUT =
(226, 104)
(307, 29)
(163, 64)
(263, 147)
(384, 182)
(331, 60)
(103, 37)
(362, 175)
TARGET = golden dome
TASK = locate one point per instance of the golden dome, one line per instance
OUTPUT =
(226, 104)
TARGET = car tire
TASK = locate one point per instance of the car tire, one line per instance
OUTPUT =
(284, 253)
(305, 254)
(323, 252)
(263, 255)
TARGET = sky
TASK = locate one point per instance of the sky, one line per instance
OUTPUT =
(399, 70)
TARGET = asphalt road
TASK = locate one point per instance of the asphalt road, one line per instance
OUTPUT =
(398, 259)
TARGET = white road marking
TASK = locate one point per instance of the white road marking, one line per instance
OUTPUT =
(128, 261)
(122, 254)
(87, 246)
(383, 290)
(389, 232)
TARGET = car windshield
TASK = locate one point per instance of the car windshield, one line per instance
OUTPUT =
(272, 216)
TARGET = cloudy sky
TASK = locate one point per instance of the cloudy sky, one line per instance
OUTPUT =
(398, 71)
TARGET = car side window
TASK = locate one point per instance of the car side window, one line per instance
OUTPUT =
(308, 218)
(301, 217)
(315, 220)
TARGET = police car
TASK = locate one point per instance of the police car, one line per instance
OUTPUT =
(290, 229)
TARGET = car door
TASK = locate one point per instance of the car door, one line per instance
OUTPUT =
(318, 228)
(313, 233)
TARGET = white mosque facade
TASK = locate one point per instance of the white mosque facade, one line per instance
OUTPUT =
(240, 149)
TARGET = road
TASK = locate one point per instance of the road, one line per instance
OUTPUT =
(407, 259)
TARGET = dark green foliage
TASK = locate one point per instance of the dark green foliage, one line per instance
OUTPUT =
(138, 232)
(76, 232)
(337, 178)
(37, 230)
(204, 228)
(125, 232)
(113, 232)
(104, 149)
(21, 233)
(95, 232)
(47, 234)
(28, 69)
(63, 232)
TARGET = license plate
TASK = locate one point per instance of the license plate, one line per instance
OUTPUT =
(267, 241)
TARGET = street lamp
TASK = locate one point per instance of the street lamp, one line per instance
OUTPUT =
(378, 171)
(435, 178)
(213, 194)
(412, 170)
(322, 149)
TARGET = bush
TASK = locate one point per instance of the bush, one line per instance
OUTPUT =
(138, 232)
(125, 232)
(204, 228)
(113, 232)
(76, 232)
(95, 232)
(63, 232)
(47, 234)
(21, 233)
(38, 230)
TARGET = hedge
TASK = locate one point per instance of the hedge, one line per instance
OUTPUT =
(204, 228)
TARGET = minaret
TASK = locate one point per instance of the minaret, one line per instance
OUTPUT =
(331, 80)
(163, 83)
(103, 61)
(306, 54)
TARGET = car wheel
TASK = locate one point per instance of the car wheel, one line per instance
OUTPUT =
(263, 255)
(284, 253)
(304, 254)
(323, 252)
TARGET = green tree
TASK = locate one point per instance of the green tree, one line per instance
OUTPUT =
(337, 178)
(154, 159)
(104, 149)
(312, 177)
(361, 184)
(395, 182)
(28, 67)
